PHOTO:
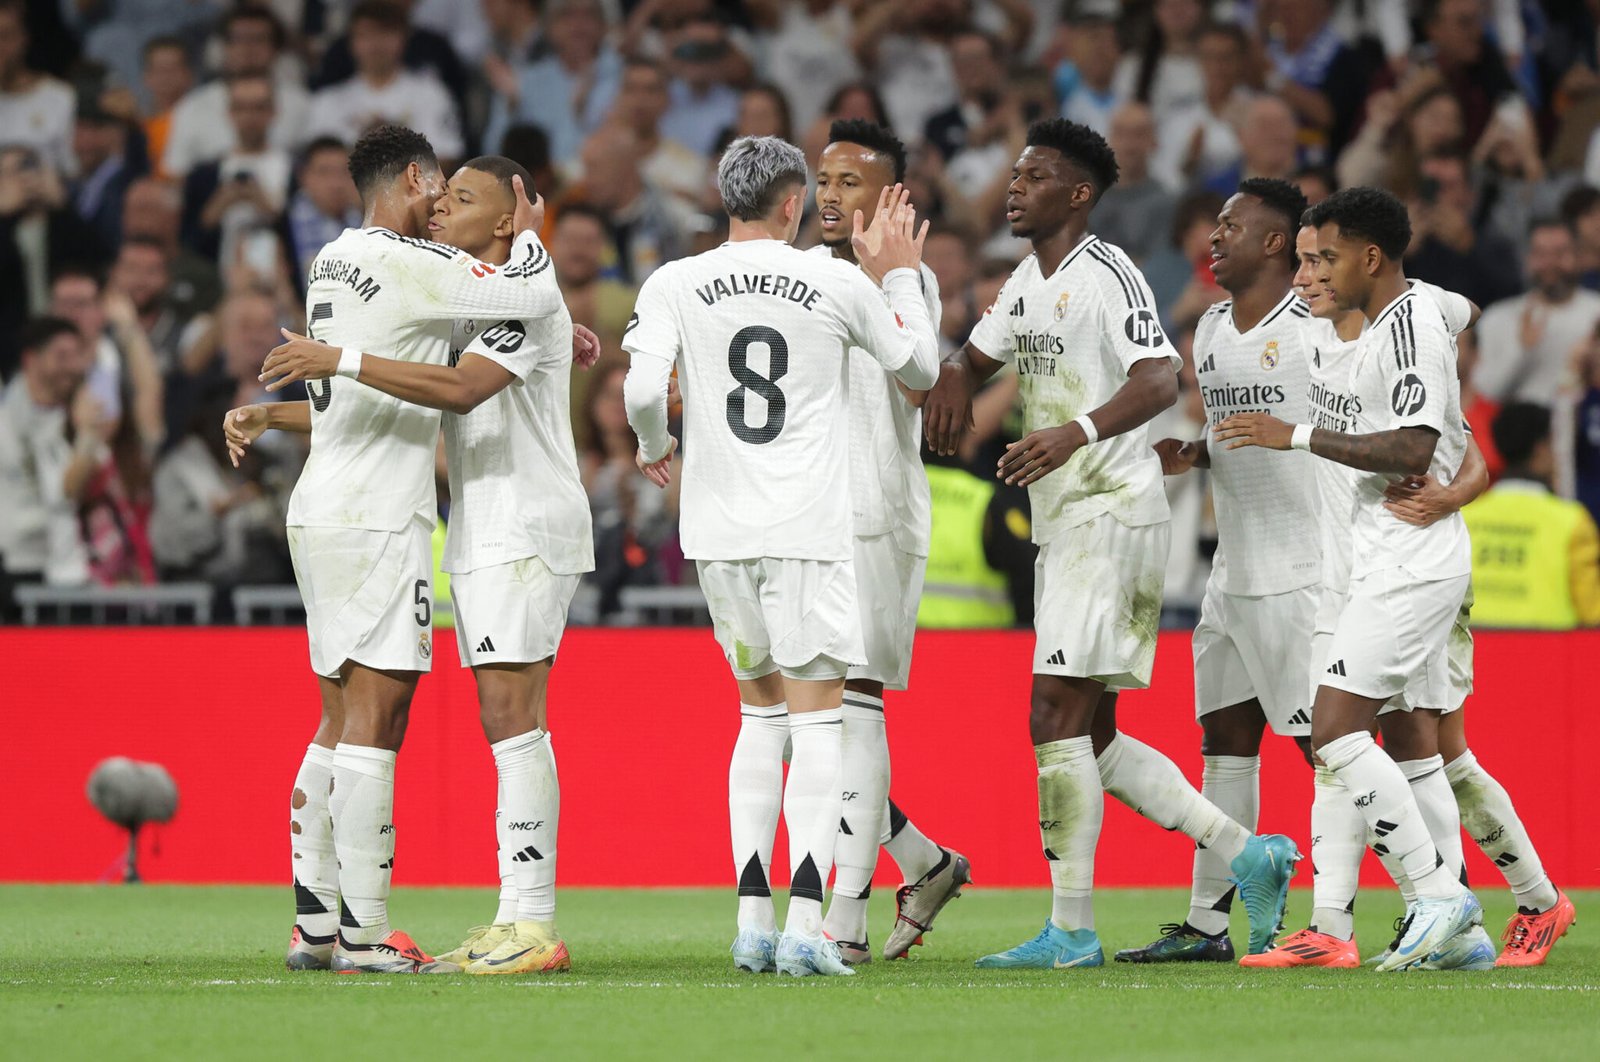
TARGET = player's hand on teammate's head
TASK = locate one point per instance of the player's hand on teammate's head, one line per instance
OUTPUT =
(298, 358)
(658, 472)
(241, 427)
(1255, 429)
(1177, 456)
(528, 216)
(585, 346)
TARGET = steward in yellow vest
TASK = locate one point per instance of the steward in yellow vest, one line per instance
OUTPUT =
(960, 588)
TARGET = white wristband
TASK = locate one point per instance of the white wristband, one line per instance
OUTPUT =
(1301, 439)
(1089, 430)
(349, 363)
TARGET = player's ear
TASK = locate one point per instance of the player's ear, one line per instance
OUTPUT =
(1083, 195)
(413, 178)
(1374, 259)
(505, 227)
(1276, 242)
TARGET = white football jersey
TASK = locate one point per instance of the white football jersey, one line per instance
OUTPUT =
(761, 333)
(1265, 502)
(1404, 375)
(888, 489)
(1073, 336)
(515, 491)
(371, 462)
(1333, 408)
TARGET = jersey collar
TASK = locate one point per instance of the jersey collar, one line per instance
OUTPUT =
(1082, 244)
(1409, 294)
(1283, 307)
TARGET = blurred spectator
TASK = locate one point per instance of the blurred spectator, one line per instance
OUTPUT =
(35, 109)
(39, 536)
(382, 90)
(1458, 47)
(578, 247)
(1268, 146)
(528, 145)
(980, 85)
(244, 192)
(1180, 275)
(855, 100)
(763, 111)
(1583, 393)
(122, 374)
(1165, 73)
(948, 255)
(1201, 139)
(569, 92)
(641, 103)
(252, 40)
(38, 237)
(646, 225)
(1136, 212)
(1513, 188)
(701, 101)
(114, 497)
(632, 519)
(153, 209)
(142, 273)
(1446, 249)
(1085, 80)
(906, 43)
(1316, 183)
(515, 34)
(1403, 127)
(805, 49)
(469, 27)
(1580, 209)
(324, 204)
(422, 50)
(1528, 340)
(1535, 557)
(105, 170)
(167, 78)
(114, 32)
(1312, 70)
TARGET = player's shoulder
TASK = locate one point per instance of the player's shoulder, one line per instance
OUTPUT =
(391, 242)
(1115, 276)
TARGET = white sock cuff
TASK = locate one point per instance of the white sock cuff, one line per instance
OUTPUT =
(518, 744)
(855, 713)
(763, 711)
(864, 701)
(799, 721)
(374, 763)
(1231, 768)
(1342, 751)
(1324, 778)
(1461, 767)
(320, 755)
(1416, 770)
(1067, 750)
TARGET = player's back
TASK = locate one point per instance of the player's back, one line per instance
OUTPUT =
(371, 461)
(763, 332)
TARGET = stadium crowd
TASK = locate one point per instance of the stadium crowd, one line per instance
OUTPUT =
(169, 170)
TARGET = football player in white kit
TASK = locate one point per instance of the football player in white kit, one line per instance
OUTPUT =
(1251, 647)
(1338, 830)
(360, 522)
(1407, 583)
(892, 513)
(1078, 320)
(518, 538)
(761, 334)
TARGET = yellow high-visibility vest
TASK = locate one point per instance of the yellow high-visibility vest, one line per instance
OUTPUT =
(960, 589)
(1522, 557)
(444, 613)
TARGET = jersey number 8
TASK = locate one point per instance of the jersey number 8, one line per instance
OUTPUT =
(750, 380)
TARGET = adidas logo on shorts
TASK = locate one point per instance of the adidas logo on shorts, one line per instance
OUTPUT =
(1058, 658)
(1300, 718)
(1336, 668)
(485, 646)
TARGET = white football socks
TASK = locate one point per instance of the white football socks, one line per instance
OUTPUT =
(1233, 785)
(911, 850)
(1492, 822)
(1152, 785)
(529, 815)
(864, 784)
(362, 806)
(1390, 810)
(1071, 807)
(1338, 841)
(316, 871)
(755, 795)
(506, 912)
(1437, 803)
(811, 808)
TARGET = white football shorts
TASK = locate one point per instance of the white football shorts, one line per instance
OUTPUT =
(889, 588)
(1097, 602)
(797, 617)
(1256, 647)
(368, 596)
(512, 613)
(1393, 639)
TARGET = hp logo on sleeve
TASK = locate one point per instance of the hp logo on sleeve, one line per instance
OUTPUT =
(1143, 328)
(1409, 395)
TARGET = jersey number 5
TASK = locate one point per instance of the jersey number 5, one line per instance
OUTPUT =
(320, 391)
(750, 380)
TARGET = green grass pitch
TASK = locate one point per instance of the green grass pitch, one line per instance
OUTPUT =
(152, 972)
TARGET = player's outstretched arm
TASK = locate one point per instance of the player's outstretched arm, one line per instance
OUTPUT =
(1423, 500)
(245, 424)
(947, 409)
(644, 393)
(455, 389)
(1152, 386)
(1401, 451)
(906, 343)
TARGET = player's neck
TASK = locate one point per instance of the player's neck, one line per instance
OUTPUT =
(496, 252)
(1348, 325)
(741, 231)
(843, 250)
(1260, 297)
(389, 211)
(1387, 288)
(1053, 249)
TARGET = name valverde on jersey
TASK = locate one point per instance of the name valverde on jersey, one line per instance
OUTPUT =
(1073, 337)
(371, 461)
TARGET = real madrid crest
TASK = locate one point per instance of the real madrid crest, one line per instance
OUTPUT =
(1269, 357)
(424, 645)
(1061, 305)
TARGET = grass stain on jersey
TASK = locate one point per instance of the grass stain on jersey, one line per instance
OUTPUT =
(744, 657)
(1143, 618)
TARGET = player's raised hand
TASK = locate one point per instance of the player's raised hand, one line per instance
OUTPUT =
(947, 410)
(1177, 456)
(1255, 429)
(585, 347)
(1039, 453)
(300, 358)
(893, 240)
(241, 427)
(658, 472)
(1418, 500)
(527, 216)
